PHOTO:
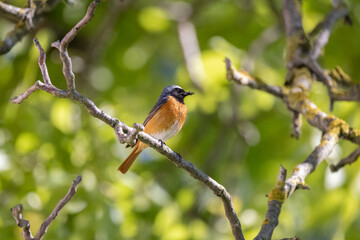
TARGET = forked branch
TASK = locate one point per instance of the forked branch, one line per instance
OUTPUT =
(25, 224)
(26, 19)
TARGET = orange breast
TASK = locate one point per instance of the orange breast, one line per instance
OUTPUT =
(168, 120)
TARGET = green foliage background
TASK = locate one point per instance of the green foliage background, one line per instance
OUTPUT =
(236, 135)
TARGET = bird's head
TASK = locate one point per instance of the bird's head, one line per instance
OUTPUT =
(177, 92)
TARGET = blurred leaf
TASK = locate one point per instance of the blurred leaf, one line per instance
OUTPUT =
(153, 19)
(62, 114)
(185, 198)
(166, 218)
(26, 142)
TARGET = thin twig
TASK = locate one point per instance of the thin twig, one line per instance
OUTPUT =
(351, 93)
(276, 198)
(131, 138)
(62, 46)
(293, 238)
(39, 85)
(296, 124)
(26, 19)
(339, 12)
(64, 55)
(257, 47)
(42, 65)
(13, 37)
(302, 170)
(21, 222)
(297, 43)
(102, 37)
(277, 12)
(344, 88)
(11, 12)
(243, 78)
(44, 226)
(192, 54)
(346, 161)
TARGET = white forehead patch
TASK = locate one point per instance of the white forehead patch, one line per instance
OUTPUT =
(175, 87)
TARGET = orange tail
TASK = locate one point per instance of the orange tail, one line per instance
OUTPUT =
(130, 159)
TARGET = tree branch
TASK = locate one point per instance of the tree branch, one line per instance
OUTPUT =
(103, 36)
(124, 133)
(21, 222)
(276, 198)
(17, 214)
(257, 47)
(348, 160)
(42, 64)
(44, 226)
(26, 19)
(339, 11)
(243, 78)
(11, 12)
(293, 238)
(13, 37)
(277, 12)
(39, 85)
(297, 44)
(298, 49)
(344, 88)
(182, 12)
(302, 170)
(296, 124)
(192, 54)
(63, 45)
(351, 94)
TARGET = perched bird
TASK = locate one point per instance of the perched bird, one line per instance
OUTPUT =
(165, 119)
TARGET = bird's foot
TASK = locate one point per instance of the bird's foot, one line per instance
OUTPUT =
(162, 143)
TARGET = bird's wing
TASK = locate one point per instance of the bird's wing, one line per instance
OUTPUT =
(157, 106)
(151, 114)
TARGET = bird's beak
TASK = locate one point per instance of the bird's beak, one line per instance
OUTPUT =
(188, 93)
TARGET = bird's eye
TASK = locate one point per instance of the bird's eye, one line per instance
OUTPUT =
(179, 90)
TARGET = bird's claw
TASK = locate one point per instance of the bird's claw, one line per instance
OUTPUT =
(162, 143)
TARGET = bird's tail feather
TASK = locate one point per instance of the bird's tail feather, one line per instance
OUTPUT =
(130, 159)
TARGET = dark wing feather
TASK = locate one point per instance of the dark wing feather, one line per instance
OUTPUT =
(157, 106)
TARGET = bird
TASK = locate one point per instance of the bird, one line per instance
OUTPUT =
(163, 122)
